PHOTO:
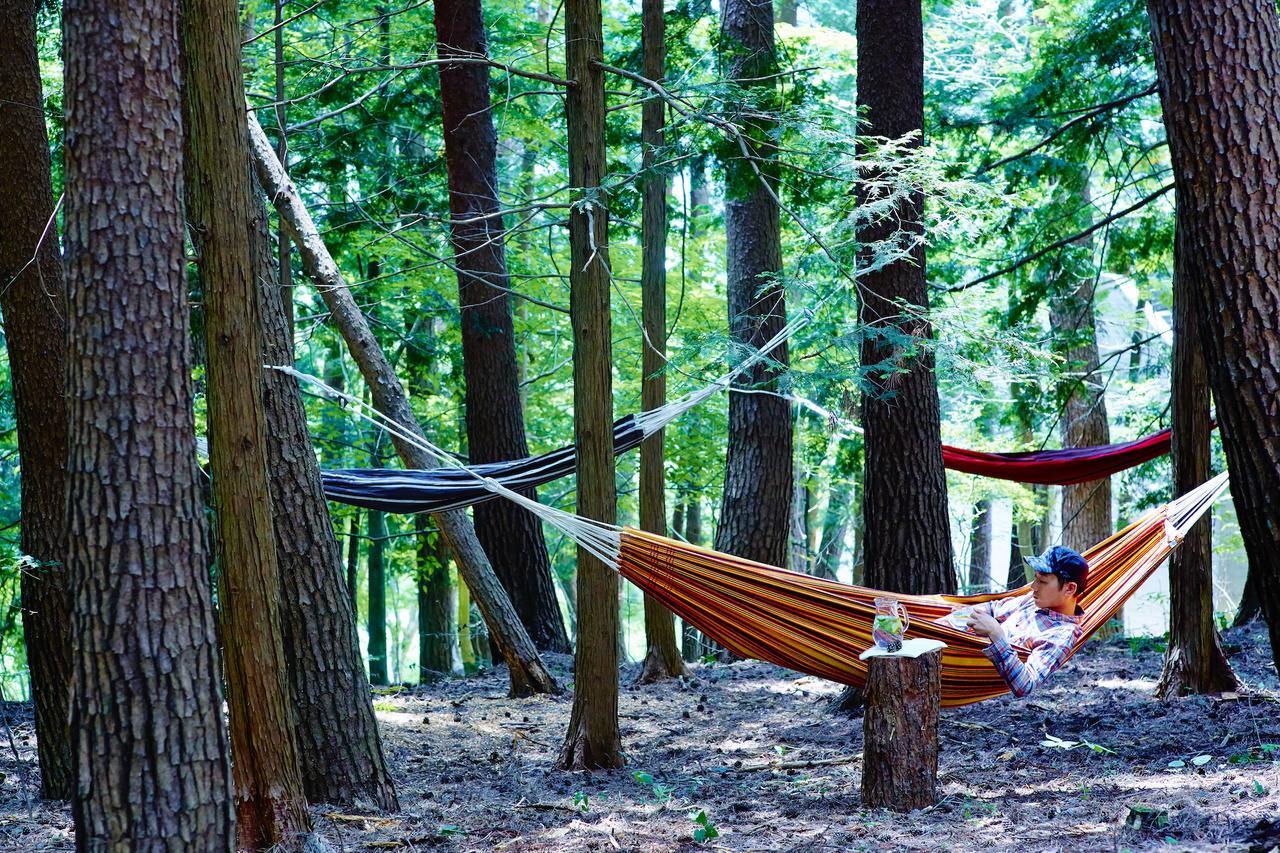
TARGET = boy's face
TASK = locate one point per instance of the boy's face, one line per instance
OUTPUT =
(1049, 591)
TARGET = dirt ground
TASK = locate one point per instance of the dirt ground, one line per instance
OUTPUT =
(747, 753)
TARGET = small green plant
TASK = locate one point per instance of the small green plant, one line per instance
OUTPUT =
(447, 830)
(581, 801)
(662, 793)
(706, 830)
(384, 706)
(711, 658)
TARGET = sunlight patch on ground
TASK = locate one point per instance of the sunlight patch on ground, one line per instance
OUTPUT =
(1142, 685)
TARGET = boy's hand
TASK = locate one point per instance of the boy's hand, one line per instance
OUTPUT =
(986, 624)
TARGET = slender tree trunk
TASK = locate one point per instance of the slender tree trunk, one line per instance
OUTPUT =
(1218, 66)
(904, 477)
(511, 536)
(377, 616)
(466, 642)
(435, 619)
(33, 300)
(842, 510)
(593, 739)
(270, 804)
(1194, 661)
(152, 759)
(339, 747)
(689, 525)
(353, 561)
(980, 548)
(662, 658)
(528, 675)
(755, 513)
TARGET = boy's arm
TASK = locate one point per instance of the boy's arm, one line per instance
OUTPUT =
(1022, 677)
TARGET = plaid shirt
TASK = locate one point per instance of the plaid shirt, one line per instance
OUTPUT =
(1049, 634)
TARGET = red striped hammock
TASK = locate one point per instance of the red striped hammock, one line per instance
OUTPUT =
(1058, 467)
(819, 626)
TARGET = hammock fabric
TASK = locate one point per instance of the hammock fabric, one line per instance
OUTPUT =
(440, 489)
(820, 626)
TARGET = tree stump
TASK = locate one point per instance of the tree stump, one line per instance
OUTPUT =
(900, 732)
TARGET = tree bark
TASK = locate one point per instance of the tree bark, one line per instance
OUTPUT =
(152, 758)
(528, 675)
(904, 476)
(755, 512)
(662, 658)
(271, 808)
(511, 536)
(1194, 661)
(377, 615)
(1250, 607)
(980, 548)
(339, 748)
(353, 561)
(33, 300)
(435, 619)
(593, 739)
(900, 732)
(1218, 66)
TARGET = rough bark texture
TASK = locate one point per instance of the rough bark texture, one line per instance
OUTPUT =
(900, 733)
(528, 675)
(270, 805)
(336, 733)
(152, 759)
(33, 300)
(662, 658)
(755, 513)
(1086, 507)
(1194, 662)
(1250, 607)
(1218, 66)
(511, 535)
(904, 477)
(593, 739)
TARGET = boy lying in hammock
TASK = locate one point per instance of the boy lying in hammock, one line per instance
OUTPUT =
(1045, 620)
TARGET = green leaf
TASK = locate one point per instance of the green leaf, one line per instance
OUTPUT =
(1201, 760)
(1177, 762)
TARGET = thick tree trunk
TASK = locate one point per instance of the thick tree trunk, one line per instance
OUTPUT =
(435, 618)
(904, 477)
(152, 758)
(1194, 661)
(980, 548)
(593, 738)
(528, 675)
(662, 658)
(900, 733)
(1218, 66)
(755, 513)
(511, 535)
(33, 300)
(271, 808)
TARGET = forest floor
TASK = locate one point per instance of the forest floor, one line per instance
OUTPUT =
(752, 748)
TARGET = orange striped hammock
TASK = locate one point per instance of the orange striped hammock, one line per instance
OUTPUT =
(818, 626)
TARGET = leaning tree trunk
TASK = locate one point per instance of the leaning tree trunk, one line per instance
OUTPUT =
(904, 480)
(33, 300)
(755, 512)
(593, 739)
(337, 735)
(528, 675)
(152, 759)
(510, 534)
(271, 807)
(1218, 66)
(1193, 662)
(662, 657)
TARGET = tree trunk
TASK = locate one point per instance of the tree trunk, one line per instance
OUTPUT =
(900, 732)
(33, 300)
(755, 513)
(904, 477)
(435, 620)
(528, 675)
(152, 759)
(377, 615)
(1250, 607)
(662, 658)
(593, 739)
(339, 747)
(353, 561)
(271, 808)
(1016, 576)
(980, 548)
(688, 524)
(1218, 66)
(1193, 662)
(511, 536)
